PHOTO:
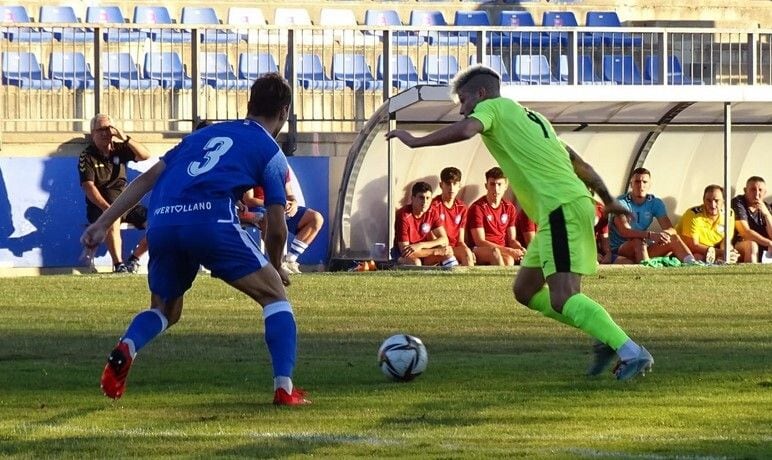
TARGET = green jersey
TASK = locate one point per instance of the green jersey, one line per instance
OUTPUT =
(525, 146)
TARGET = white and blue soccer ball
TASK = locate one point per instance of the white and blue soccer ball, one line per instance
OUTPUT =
(402, 357)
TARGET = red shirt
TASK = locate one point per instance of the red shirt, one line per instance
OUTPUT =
(411, 229)
(601, 221)
(493, 221)
(260, 194)
(453, 219)
(523, 225)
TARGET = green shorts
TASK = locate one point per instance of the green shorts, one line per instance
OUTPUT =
(565, 240)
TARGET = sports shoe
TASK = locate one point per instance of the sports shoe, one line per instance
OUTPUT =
(120, 268)
(603, 356)
(710, 256)
(116, 370)
(641, 364)
(296, 398)
(133, 265)
(291, 267)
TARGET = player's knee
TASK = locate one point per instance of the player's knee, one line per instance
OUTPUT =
(318, 220)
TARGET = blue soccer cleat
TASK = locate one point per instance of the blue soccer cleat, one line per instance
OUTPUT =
(641, 364)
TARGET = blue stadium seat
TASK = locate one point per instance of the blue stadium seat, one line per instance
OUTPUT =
(439, 69)
(50, 13)
(472, 18)
(255, 65)
(611, 19)
(385, 18)
(585, 71)
(120, 70)
(354, 71)
(207, 15)
(533, 69)
(166, 67)
(17, 14)
(623, 70)
(310, 73)
(71, 68)
(517, 19)
(113, 15)
(675, 74)
(22, 69)
(404, 74)
(218, 73)
(567, 19)
(423, 18)
(495, 62)
(159, 15)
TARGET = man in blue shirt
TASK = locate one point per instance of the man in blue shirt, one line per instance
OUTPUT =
(192, 221)
(630, 237)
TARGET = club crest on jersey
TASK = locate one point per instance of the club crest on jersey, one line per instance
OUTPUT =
(425, 227)
(504, 218)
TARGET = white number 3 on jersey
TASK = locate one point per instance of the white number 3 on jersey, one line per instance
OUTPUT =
(215, 148)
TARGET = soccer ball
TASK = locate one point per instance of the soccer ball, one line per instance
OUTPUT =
(402, 357)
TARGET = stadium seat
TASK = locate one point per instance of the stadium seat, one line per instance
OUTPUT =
(585, 71)
(623, 70)
(60, 14)
(218, 73)
(207, 16)
(18, 14)
(291, 17)
(254, 18)
(113, 15)
(354, 71)
(310, 73)
(434, 18)
(675, 74)
(22, 69)
(339, 24)
(439, 69)
(386, 18)
(533, 69)
(159, 15)
(166, 68)
(529, 40)
(404, 74)
(610, 19)
(567, 19)
(255, 65)
(71, 68)
(495, 62)
(472, 18)
(120, 70)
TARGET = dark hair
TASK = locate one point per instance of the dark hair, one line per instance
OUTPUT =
(711, 188)
(639, 171)
(269, 95)
(474, 77)
(755, 179)
(494, 173)
(419, 188)
(202, 124)
(450, 174)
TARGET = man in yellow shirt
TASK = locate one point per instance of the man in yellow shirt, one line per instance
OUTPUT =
(702, 228)
(550, 181)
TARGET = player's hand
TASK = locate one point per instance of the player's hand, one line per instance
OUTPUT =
(409, 249)
(291, 208)
(117, 133)
(91, 238)
(404, 136)
(617, 208)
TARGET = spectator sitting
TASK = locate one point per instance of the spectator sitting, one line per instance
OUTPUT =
(702, 228)
(419, 236)
(102, 170)
(632, 239)
(753, 222)
(492, 224)
(453, 214)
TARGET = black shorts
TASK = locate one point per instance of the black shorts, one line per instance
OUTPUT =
(137, 216)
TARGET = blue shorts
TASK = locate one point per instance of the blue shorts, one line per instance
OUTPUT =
(294, 221)
(177, 251)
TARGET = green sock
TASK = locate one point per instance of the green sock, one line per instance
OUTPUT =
(541, 303)
(589, 316)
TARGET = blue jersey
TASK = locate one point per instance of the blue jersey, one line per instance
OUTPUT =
(209, 171)
(643, 215)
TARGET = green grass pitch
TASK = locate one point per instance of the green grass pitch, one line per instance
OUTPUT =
(502, 381)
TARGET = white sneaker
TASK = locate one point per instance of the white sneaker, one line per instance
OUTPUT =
(292, 267)
(710, 256)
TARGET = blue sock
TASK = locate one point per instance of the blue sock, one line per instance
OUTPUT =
(280, 336)
(143, 328)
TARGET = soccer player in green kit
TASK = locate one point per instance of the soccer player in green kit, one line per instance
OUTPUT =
(550, 181)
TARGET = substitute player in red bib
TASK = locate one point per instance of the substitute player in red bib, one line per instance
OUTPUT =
(453, 214)
(550, 181)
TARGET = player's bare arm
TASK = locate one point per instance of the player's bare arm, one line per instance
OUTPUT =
(458, 131)
(591, 179)
(276, 237)
(92, 193)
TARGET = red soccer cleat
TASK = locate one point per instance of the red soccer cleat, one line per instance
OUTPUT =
(116, 370)
(296, 398)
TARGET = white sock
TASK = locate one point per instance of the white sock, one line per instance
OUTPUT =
(628, 350)
(282, 382)
(290, 257)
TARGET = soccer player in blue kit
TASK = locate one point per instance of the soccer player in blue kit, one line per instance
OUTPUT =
(192, 221)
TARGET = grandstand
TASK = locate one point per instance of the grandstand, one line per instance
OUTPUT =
(607, 68)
